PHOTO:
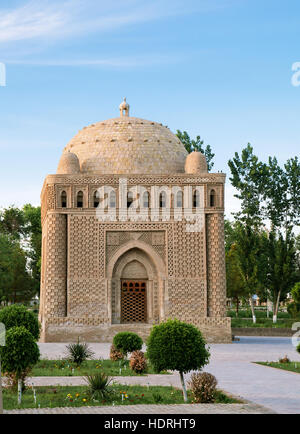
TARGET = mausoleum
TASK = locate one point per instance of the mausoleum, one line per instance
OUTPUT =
(133, 234)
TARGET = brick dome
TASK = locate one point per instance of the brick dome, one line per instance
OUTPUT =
(195, 163)
(128, 145)
(68, 164)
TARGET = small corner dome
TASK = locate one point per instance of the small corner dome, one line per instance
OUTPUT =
(195, 163)
(68, 164)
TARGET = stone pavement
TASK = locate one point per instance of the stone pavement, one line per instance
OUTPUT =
(232, 365)
(154, 409)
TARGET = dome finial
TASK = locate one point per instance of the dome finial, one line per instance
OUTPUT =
(124, 108)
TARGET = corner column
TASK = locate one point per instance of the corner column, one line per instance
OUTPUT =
(216, 269)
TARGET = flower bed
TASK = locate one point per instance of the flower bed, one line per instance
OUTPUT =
(71, 396)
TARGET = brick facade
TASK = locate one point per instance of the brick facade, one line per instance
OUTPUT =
(84, 259)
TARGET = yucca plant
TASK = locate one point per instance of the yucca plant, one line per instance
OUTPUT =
(79, 353)
(99, 386)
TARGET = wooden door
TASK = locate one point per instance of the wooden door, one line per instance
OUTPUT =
(133, 301)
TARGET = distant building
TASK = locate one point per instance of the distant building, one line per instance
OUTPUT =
(110, 264)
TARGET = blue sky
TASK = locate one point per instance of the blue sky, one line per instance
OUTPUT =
(218, 68)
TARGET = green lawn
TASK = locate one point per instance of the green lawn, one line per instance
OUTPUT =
(62, 368)
(71, 396)
(291, 366)
(262, 322)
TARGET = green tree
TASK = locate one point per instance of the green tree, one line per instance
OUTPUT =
(12, 222)
(281, 268)
(196, 145)
(16, 283)
(19, 355)
(6, 272)
(236, 288)
(294, 306)
(19, 316)
(33, 233)
(247, 176)
(177, 346)
(249, 252)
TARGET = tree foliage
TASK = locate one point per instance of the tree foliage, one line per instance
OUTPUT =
(196, 145)
(127, 342)
(20, 253)
(269, 194)
(177, 346)
(236, 288)
(20, 353)
(20, 316)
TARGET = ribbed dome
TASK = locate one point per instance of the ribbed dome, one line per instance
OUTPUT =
(68, 164)
(128, 145)
(195, 163)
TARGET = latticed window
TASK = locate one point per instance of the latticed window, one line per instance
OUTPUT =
(162, 200)
(133, 301)
(112, 199)
(146, 199)
(129, 198)
(80, 199)
(96, 199)
(212, 198)
(179, 197)
(196, 199)
(63, 199)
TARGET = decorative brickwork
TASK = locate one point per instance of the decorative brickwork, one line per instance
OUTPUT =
(85, 261)
(216, 271)
(55, 289)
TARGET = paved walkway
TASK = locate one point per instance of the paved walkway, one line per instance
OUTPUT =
(154, 409)
(231, 364)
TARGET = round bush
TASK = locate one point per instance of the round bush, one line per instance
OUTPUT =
(17, 316)
(127, 342)
(177, 346)
(298, 348)
(20, 353)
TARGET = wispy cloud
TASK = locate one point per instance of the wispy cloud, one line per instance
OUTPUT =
(54, 19)
(114, 62)
(28, 31)
(31, 21)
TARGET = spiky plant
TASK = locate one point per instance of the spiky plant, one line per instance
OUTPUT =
(115, 354)
(138, 362)
(79, 353)
(99, 386)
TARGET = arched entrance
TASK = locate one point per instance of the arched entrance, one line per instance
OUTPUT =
(135, 286)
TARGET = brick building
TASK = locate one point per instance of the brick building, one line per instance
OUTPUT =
(117, 251)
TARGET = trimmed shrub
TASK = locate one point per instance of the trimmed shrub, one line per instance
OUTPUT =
(177, 346)
(298, 348)
(115, 355)
(18, 316)
(126, 342)
(138, 362)
(79, 353)
(203, 387)
(20, 354)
